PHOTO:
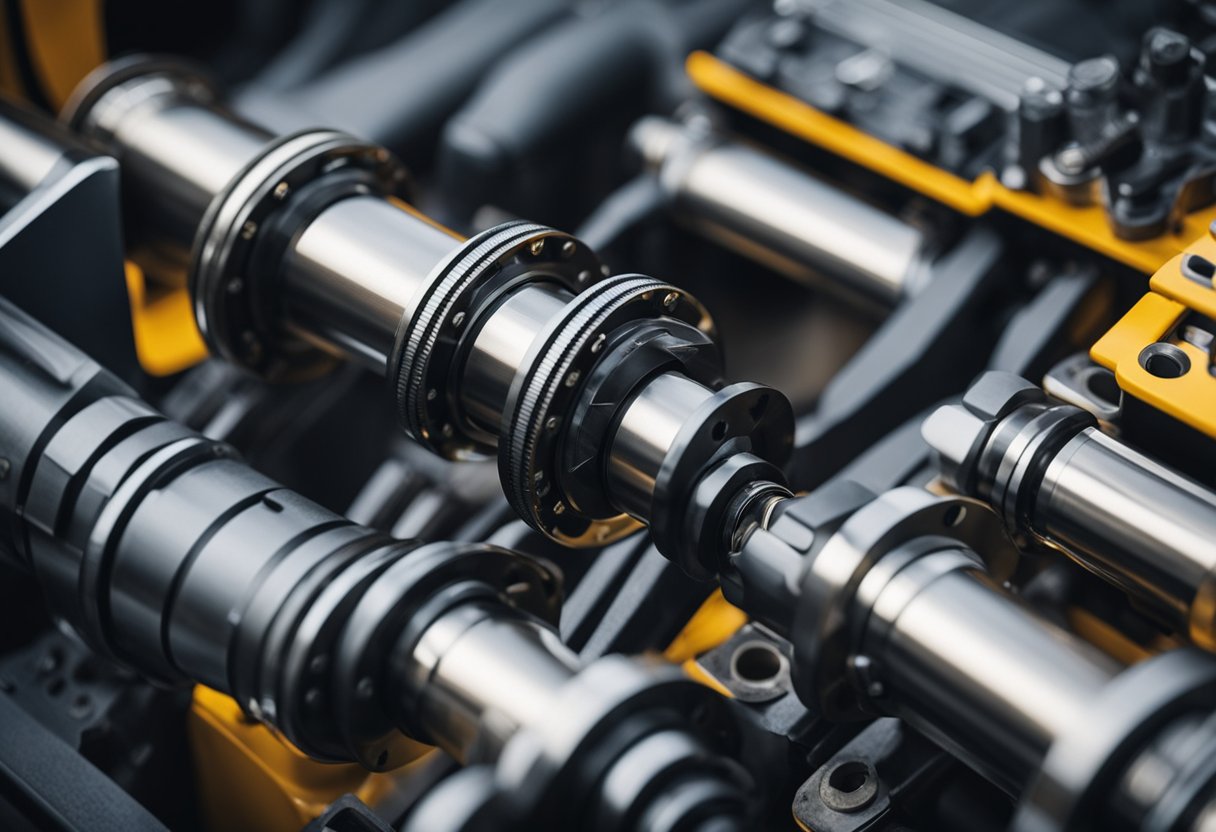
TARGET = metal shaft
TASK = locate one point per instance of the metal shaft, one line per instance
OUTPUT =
(773, 211)
(178, 147)
(511, 342)
(483, 675)
(1054, 476)
(356, 271)
(1129, 517)
(966, 663)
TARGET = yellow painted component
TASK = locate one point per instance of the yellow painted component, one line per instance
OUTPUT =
(713, 623)
(251, 779)
(1190, 398)
(1105, 637)
(65, 40)
(167, 340)
(1086, 225)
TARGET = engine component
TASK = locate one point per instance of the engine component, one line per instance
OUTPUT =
(250, 596)
(167, 554)
(898, 610)
(1161, 353)
(757, 203)
(486, 342)
(1054, 476)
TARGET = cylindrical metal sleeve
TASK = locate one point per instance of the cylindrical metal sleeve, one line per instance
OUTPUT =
(356, 272)
(772, 210)
(1145, 526)
(178, 151)
(646, 432)
(483, 675)
(967, 664)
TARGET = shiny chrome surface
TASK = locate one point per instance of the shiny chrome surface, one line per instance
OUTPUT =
(771, 210)
(646, 432)
(500, 348)
(974, 669)
(482, 675)
(29, 154)
(177, 152)
(356, 271)
(1136, 521)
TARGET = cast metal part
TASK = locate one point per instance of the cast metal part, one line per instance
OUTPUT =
(170, 556)
(1057, 478)
(512, 340)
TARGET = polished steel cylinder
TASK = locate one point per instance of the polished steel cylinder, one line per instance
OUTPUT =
(970, 666)
(777, 213)
(501, 348)
(30, 153)
(356, 272)
(1131, 519)
(481, 672)
(646, 432)
(178, 150)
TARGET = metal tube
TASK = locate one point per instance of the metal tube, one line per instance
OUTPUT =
(781, 215)
(357, 271)
(178, 151)
(1053, 475)
(501, 348)
(977, 671)
(1146, 526)
(483, 674)
(646, 432)
(29, 151)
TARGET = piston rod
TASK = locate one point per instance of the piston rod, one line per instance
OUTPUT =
(1056, 477)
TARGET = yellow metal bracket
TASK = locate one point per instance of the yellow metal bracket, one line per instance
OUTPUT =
(251, 779)
(1176, 295)
(1086, 225)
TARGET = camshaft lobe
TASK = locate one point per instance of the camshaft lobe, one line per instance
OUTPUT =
(512, 342)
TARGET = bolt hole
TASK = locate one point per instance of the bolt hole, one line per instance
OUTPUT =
(756, 663)
(719, 431)
(1164, 360)
(1102, 385)
(849, 777)
(382, 759)
(953, 516)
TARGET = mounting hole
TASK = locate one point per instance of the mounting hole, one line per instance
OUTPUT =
(756, 663)
(719, 431)
(953, 516)
(1101, 384)
(849, 777)
(849, 786)
(1164, 360)
(382, 759)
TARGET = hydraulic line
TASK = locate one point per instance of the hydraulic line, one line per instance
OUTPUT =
(169, 555)
(1054, 476)
(512, 342)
